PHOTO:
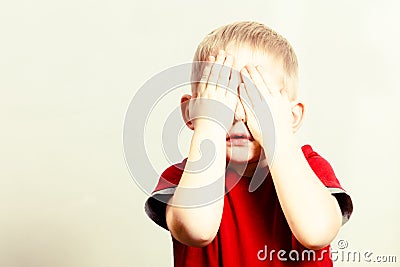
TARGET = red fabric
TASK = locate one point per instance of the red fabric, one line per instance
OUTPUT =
(252, 226)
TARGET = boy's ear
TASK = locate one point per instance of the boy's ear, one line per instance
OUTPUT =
(298, 115)
(185, 110)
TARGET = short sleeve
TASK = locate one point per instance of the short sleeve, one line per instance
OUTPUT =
(155, 205)
(325, 173)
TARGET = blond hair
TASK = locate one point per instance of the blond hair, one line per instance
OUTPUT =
(258, 37)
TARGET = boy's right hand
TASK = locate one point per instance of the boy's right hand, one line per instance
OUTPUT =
(216, 95)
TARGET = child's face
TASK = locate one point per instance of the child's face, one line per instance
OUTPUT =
(241, 147)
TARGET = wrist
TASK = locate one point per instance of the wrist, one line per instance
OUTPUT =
(209, 126)
(285, 148)
(208, 141)
(280, 147)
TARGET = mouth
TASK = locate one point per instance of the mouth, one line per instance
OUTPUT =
(239, 135)
(239, 139)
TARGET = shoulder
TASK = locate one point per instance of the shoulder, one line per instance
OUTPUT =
(171, 176)
(156, 204)
(321, 167)
(309, 152)
(326, 174)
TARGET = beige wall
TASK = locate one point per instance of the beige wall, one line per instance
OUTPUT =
(68, 70)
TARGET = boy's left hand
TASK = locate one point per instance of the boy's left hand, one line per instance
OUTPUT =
(267, 107)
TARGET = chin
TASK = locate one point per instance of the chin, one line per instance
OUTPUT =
(242, 154)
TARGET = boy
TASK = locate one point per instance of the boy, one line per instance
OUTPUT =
(277, 204)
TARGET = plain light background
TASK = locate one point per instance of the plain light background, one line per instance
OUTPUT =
(69, 69)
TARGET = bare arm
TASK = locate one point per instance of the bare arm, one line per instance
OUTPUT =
(194, 212)
(312, 213)
(198, 225)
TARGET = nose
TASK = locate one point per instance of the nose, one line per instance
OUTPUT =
(240, 114)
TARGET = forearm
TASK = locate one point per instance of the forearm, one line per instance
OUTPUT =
(313, 214)
(194, 212)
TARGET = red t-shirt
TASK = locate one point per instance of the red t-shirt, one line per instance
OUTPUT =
(253, 230)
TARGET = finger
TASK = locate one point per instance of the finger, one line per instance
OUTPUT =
(205, 75)
(245, 100)
(216, 69)
(225, 73)
(251, 89)
(257, 79)
(248, 106)
(272, 90)
(231, 100)
(234, 82)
